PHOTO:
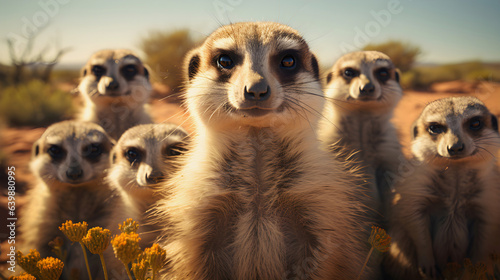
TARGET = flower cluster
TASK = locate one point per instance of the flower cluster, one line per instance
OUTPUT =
(74, 232)
(379, 239)
(97, 240)
(50, 268)
(129, 226)
(126, 247)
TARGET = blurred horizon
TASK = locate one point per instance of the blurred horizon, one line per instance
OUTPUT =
(446, 31)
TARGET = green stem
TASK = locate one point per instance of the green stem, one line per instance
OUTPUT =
(104, 266)
(366, 261)
(128, 272)
(154, 274)
(86, 260)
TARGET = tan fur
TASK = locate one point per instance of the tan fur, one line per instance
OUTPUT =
(63, 193)
(113, 99)
(357, 120)
(447, 209)
(256, 198)
(144, 156)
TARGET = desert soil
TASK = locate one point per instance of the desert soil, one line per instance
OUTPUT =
(17, 142)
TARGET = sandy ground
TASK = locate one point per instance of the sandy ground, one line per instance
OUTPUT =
(17, 142)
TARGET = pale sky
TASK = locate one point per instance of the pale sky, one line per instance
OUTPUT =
(446, 30)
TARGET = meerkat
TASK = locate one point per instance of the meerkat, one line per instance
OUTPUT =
(447, 209)
(256, 197)
(115, 88)
(362, 91)
(68, 163)
(144, 156)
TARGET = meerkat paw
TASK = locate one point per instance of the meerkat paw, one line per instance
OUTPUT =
(427, 268)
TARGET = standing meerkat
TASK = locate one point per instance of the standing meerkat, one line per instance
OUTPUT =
(144, 156)
(68, 163)
(115, 88)
(362, 91)
(256, 197)
(447, 209)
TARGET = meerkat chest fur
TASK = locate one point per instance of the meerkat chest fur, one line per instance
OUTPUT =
(460, 192)
(366, 134)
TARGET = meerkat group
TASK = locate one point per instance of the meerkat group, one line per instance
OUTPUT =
(260, 190)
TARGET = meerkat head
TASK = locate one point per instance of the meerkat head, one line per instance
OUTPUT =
(145, 155)
(456, 129)
(115, 74)
(366, 80)
(254, 74)
(71, 153)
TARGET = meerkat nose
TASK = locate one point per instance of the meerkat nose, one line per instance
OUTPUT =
(74, 173)
(368, 88)
(113, 85)
(456, 149)
(258, 92)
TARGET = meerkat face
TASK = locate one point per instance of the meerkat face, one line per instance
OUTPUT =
(115, 73)
(366, 80)
(255, 74)
(457, 129)
(146, 155)
(71, 153)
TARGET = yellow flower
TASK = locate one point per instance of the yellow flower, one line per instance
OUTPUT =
(140, 267)
(126, 247)
(50, 268)
(156, 257)
(129, 226)
(379, 239)
(477, 271)
(74, 232)
(24, 276)
(28, 262)
(97, 240)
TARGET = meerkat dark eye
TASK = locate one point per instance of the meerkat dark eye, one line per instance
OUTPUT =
(129, 71)
(436, 129)
(56, 152)
(224, 61)
(174, 150)
(382, 74)
(133, 155)
(350, 73)
(475, 124)
(93, 151)
(98, 70)
(288, 62)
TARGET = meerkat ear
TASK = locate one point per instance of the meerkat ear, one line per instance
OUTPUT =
(329, 77)
(83, 71)
(414, 130)
(146, 71)
(494, 122)
(192, 63)
(315, 66)
(112, 157)
(35, 150)
(397, 74)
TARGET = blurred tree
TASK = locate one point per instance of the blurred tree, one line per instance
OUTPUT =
(165, 51)
(39, 65)
(402, 54)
